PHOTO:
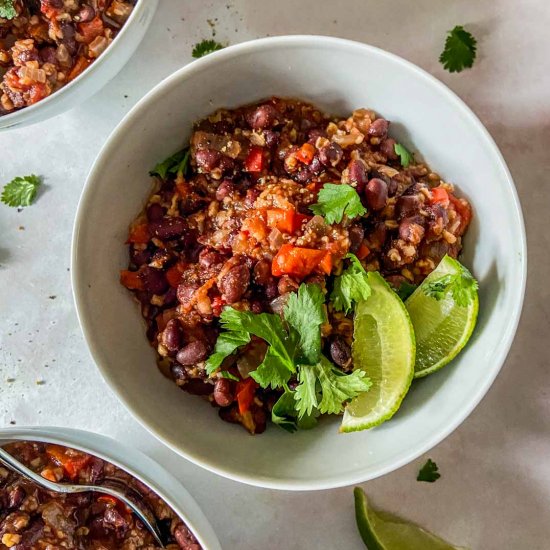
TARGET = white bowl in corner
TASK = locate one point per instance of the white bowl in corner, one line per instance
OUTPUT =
(90, 81)
(338, 76)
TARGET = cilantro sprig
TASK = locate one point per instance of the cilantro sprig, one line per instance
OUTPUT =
(174, 164)
(336, 201)
(350, 287)
(405, 156)
(460, 50)
(205, 47)
(429, 472)
(21, 191)
(461, 285)
(7, 9)
(405, 290)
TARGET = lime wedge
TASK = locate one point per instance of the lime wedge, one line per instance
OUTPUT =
(384, 347)
(382, 531)
(442, 327)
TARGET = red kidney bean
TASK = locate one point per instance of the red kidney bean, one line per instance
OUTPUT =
(271, 138)
(314, 134)
(358, 174)
(226, 164)
(86, 13)
(302, 176)
(209, 257)
(331, 154)
(387, 147)
(48, 55)
(356, 234)
(378, 128)
(226, 188)
(170, 298)
(316, 167)
(155, 212)
(207, 159)
(340, 352)
(261, 117)
(412, 230)
(192, 353)
(223, 392)
(172, 335)
(262, 272)
(256, 306)
(392, 186)
(271, 290)
(260, 421)
(154, 280)
(168, 227)
(235, 283)
(140, 256)
(186, 292)
(407, 206)
(376, 194)
(287, 284)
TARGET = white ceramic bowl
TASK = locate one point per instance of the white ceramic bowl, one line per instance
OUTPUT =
(94, 77)
(339, 76)
(132, 461)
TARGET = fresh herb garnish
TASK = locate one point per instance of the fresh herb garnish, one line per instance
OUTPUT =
(405, 290)
(460, 50)
(285, 415)
(174, 164)
(7, 9)
(350, 287)
(405, 156)
(21, 191)
(337, 200)
(205, 47)
(461, 285)
(428, 472)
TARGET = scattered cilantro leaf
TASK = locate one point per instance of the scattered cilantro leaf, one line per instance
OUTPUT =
(461, 285)
(7, 9)
(305, 312)
(326, 388)
(21, 191)
(429, 472)
(174, 164)
(283, 413)
(337, 200)
(460, 50)
(226, 344)
(405, 290)
(228, 375)
(405, 156)
(205, 47)
(350, 287)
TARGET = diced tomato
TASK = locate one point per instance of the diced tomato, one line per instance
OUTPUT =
(287, 221)
(72, 464)
(255, 160)
(174, 274)
(255, 227)
(131, 280)
(296, 261)
(91, 29)
(363, 251)
(464, 210)
(245, 394)
(139, 234)
(80, 65)
(440, 196)
(37, 93)
(305, 153)
(325, 265)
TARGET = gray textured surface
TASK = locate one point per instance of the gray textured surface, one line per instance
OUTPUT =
(494, 492)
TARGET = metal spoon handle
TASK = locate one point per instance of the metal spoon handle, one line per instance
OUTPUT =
(13, 464)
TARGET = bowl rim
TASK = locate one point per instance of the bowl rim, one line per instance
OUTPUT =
(15, 119)
(117, 453)
(262, 44)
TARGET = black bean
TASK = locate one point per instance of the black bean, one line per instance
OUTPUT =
(140, 256)
(379, 128)
(226, 164)
(192, 353)
(235, 283)
(316, 167)
(314, 134)
(287, 284)
(377, 237)
(387, 147)
(412, 229)
(331, 154)
(154, 280)
(376, 194)
(264, 116)
(271, 138)
(168, 227)
(207, 159)
(15, 497)
(48, 54)
(356, 235)
(198, 387)
(358, 174)
(172, 336)
(262, 272)
(302, 176)
(223, 392)
(68, 37)
(170, 297)
(155, 212)
(340, 352)
(271, 290)
(179, 373)
(407, 206)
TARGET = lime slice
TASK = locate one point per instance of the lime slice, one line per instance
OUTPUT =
(442, 327)
(382, 531)
(384, 347)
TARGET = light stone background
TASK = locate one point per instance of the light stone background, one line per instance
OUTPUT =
(494, 492)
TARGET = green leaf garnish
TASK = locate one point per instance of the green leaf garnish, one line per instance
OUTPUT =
(7, 9)
(21, 191)
(460, 50)
(404, 155)
(285, 415)
(405, 290)
(461, 285)
(174, 164)
(205, 47)
(428, 472)
(226, 344)
(337, 200)
(350, 287)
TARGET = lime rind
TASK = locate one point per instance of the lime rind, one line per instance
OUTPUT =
(384, 347)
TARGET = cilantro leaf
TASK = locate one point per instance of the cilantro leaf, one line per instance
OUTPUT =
(350, 287)
(226, 344)
(305, 312)
(337, 200)
(326, 388)
(461, 285)
(405, 290)
(285, 415)
(205, 47)
(428, 472)
(21, 191)
(7, 9)
(405, 156)
(460, 50)
(174, 164)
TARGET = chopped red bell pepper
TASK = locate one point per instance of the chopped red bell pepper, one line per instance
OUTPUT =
(81, 64)
(254, 226)
(72, 464)
(440, 196)
(306, 153)
(296, 261)
(363, 251)
(285, 220)
(91, 29)
(255, 160)
(139, 234)
(464, 210)
(325, 265)
(131, 280)
(245, 394)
